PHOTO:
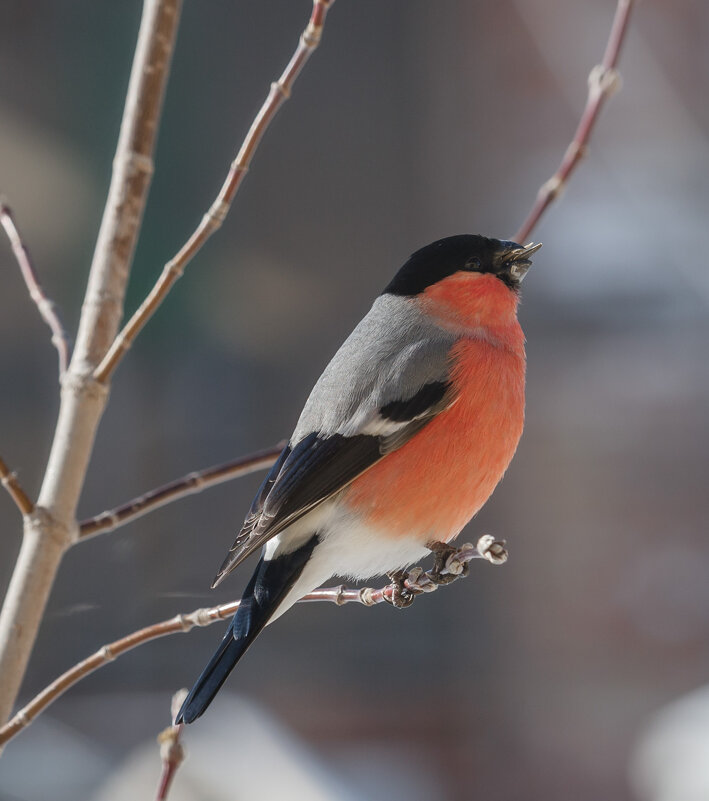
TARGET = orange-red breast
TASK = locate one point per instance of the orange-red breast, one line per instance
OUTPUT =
(402, 440)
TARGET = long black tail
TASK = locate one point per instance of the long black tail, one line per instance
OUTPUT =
(269, 585)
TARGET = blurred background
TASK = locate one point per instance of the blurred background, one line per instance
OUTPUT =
(414, 120)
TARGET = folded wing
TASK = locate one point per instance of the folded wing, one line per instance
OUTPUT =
(371, 399)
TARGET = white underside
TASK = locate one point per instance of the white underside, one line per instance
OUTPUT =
(348, 548)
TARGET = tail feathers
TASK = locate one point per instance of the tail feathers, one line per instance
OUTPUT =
(268, 587)
(212, 677)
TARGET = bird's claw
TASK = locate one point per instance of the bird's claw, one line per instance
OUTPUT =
(401, 597)
(440, 578)
(445, 567)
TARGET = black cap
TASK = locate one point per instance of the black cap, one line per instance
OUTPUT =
(507, 260)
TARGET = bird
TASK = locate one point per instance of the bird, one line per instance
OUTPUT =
(402, 440)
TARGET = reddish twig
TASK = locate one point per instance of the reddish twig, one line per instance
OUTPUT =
(12, 485)
(46, 307)
(212, 220)
(171, 751)
(603, 81)
(181, 488)
(417, 582)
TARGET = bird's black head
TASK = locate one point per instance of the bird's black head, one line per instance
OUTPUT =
(508, 261)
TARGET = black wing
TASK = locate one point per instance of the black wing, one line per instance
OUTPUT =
(319, 466)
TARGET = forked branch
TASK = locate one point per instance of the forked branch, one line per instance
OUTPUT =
(52, 529)
(212, 220)
(603, 81)
(417, 582)
(44, 305)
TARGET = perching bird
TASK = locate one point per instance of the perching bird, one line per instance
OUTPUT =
(402, 440)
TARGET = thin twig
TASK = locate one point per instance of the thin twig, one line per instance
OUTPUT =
(213, 219)
(171, 751)
(45, 306)
(181, 488)
(603, 81)
(12, 485)
(417, 582)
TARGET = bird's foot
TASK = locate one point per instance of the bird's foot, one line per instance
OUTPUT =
(401, 596)
(445, 567)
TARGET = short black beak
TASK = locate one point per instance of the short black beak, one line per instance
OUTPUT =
(518, 260)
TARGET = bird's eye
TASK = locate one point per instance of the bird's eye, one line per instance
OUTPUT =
(472, 263)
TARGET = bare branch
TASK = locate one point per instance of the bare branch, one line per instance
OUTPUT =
(181, 488)
(12, 485)
(53, 528)
(603, 81)
(212, 220)
(46, 307)
(417, 582)
(171, 751)
(130, 182)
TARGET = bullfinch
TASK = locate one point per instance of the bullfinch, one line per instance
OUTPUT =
(402, 440)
